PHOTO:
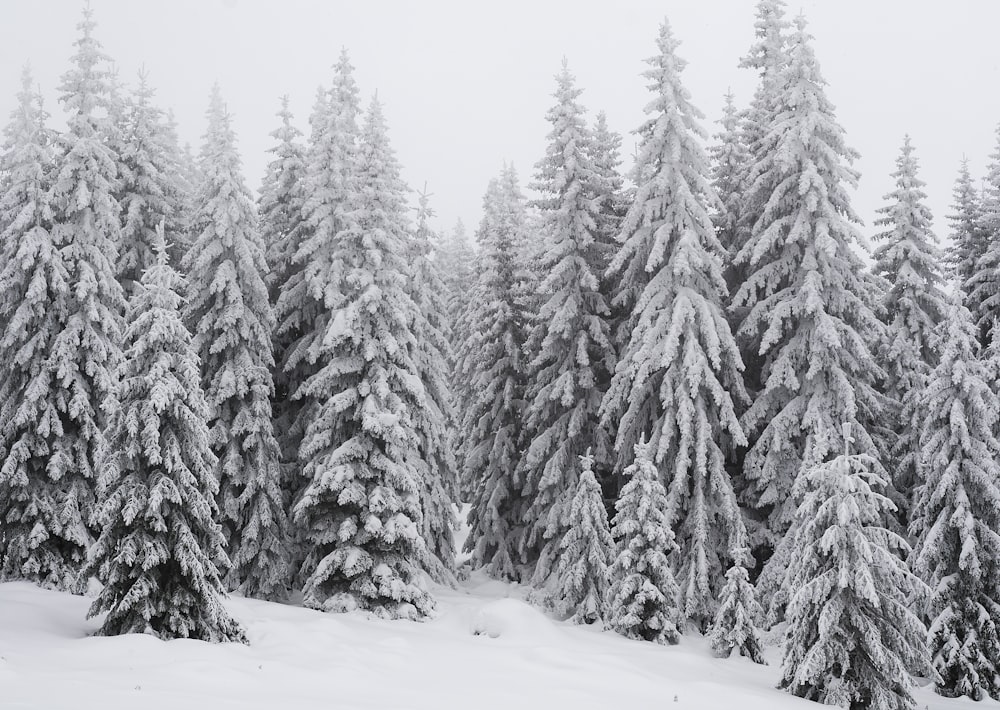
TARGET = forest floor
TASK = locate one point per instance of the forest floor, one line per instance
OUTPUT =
(299, 659)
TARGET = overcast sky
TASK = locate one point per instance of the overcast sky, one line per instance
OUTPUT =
(466, 84)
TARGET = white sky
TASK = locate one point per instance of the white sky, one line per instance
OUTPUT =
(466, 84)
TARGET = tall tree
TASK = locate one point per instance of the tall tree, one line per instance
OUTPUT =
(956, 519)
(806, 307)
(852, 640)
(681, 368)
(493, 368)
(569, 337)
(983, 286)
(42, 533)
(361, 509)
(908, 259)
(228, 312)
(86, 348)
(160, 552)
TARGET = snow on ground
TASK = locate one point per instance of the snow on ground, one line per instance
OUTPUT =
(299, 659)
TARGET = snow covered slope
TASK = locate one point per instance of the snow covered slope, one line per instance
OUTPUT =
(301, 659)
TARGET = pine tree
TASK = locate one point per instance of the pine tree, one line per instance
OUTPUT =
(160, 552)
(570, 335)
(730, 158)
(735, 625)
(908, 259)
(806, 308)
(585, 551)
(491, 363)
(681, 368)
(86, 349)
(435, 421)
(967, 238)
(228, 312)
(642, 600)
(456, 259)
(956, 519)
(361, 509)
(42, 533)
(983, 286)
(852, 640)
(150, 185)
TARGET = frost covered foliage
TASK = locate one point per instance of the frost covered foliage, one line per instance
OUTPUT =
(983, 286)
(642, 601)
(160, 551)
(908, 259)
(805, 306)
(730, 158)
(360, 512)
(585, 551)
(308, 294)
(434, 422)
(735, 626)
(852, 640)
(43, 536)
(569, 338)
(229, 314)
(956, 519)
(150, 184)
(968, 238)
(456, 259)
(60, 427)
(493, 368)
(681, 368)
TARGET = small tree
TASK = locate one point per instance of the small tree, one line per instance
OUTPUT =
(735, 626)
(585, 551)
(160, 552)
(852, 639)
(642, 600)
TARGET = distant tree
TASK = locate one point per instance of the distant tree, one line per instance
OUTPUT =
(228, 312)
(983, 286)
(968, 239)
(730, 157)
(642, 601)
(160, 552)
(956, 520)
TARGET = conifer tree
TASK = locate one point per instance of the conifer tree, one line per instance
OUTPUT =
(735, 624)
(642, 600)
(491, 364)
(435, 420)
(605, 153)
(570, 335)
(43, 537)
(150, 184)
(908, 259)
(967, 237)
(361, 509)
(229, 314)
(852, 640)
(586, 551)
(456, 259)
(806, 308)
(956, 519)
(730, 157)
(86, 348)
(160, 552)
(681, 368)
(983, 286)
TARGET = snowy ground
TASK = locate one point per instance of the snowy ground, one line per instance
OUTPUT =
(301, 659)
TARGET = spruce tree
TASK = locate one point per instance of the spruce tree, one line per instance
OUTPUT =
(983, 286)
(456, 259)
(730, 157)
(228, 312)
(86, 348)
(569, 337)
(956, 519)
(680, 370)
(42, 533)
(160, 552)
(852, 640)
(361, 509)
(908, 259)
(806, 313)
(735, 624)
(643, 598)
(491, 363)
(967, 238)
(585, 551)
